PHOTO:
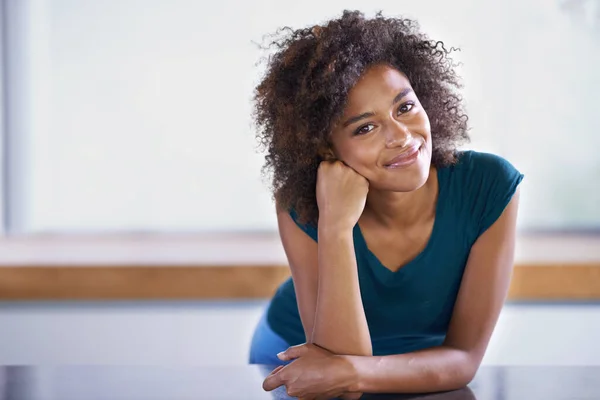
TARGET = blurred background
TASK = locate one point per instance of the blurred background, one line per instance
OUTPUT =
(136, 227)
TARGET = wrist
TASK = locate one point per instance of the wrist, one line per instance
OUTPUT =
(334, 226)
(355, 379)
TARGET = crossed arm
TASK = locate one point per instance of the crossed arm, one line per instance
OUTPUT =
(343, 338)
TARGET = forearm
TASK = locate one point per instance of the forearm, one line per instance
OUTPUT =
(340, 324)
(430, 370)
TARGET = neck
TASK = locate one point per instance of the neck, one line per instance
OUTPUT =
(400, 210)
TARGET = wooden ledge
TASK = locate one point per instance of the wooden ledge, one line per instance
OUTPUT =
(240, 266)
(531, 282)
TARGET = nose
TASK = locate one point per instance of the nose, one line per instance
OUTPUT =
(397, 135)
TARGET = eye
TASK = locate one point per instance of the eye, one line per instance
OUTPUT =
(364, 129)
(406, 107)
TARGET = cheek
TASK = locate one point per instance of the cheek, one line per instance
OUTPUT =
(423, 122)
(360, 157)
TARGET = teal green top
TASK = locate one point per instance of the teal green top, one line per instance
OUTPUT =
(410, 309)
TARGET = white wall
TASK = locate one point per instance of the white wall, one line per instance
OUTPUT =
(214, 334)
(134, 115)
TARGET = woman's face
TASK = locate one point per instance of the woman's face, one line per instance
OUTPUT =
(384, 133)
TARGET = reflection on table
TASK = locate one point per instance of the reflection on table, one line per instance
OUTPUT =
(245, 382)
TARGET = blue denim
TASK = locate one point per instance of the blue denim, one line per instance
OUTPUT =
(266, 344)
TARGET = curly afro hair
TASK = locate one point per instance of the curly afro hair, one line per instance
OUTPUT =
(306, 85)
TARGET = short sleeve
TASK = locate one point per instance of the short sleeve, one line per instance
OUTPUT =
(493, 182)
(309, 229)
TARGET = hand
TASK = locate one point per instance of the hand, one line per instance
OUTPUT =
(341, 194)
(315, 373)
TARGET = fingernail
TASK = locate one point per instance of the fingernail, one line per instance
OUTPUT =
(280, 355)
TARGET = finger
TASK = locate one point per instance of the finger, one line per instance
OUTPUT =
(292, 352)
(273, 381)
(276, 370)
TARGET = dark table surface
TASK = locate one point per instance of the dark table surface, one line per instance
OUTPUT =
(244, 382)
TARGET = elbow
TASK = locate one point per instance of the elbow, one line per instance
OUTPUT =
(465, 377)
(459, 374)
(454, 380)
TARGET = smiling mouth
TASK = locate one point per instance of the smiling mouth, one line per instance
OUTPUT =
(405, 158)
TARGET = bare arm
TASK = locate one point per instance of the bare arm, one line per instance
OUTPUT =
(340, 322)
(326, 283)
(453, 365)
(301, 252)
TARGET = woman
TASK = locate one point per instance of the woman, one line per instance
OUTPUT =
(400, 246)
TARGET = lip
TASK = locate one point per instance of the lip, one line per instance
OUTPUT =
(405, 158)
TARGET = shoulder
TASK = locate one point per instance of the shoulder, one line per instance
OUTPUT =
(482, 184)
(479, 171)
(484, 163)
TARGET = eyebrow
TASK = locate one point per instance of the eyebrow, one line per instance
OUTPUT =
(357, 118)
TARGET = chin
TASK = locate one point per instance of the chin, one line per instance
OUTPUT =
(408, 185)
(403, 180)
